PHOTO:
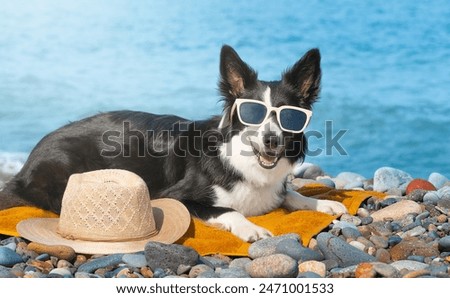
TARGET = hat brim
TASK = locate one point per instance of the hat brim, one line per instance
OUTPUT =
(171, 217)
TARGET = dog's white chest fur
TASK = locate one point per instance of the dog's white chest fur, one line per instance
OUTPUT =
(250, 200)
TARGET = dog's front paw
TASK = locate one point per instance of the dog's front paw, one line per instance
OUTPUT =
(250, 232)
(331, 207)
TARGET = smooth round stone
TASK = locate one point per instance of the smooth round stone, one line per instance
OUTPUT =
(437, 179)
(43, 257)
(313, 172)
(397, 211)
(354, 185)
(300, 168)
(350, 177)
(444, 244)
(379, 241)
(8, 257)
(444, 192)
(91, 266)
(388, 202)
(419, 184)
(409, 265)
(416, 231)
(239, 262)
(337, 249)
(394, 240)
(268, 246)
(12, 246)
(358, 245)
(366, 220)
(295, 250)
(135, 260)
(350, 233)
(385, 270)
(273, 266)
(86, 275)
(327, 182)
(313, 266)
(6, 273)
(232, 273)
(160, 255)
(62, 272)
(308, 275)
(362, 212)
(383, 255)
(208, 274)
(60, 251)
(199, 269)
(351, 219)
(416, 258)
(416, 195)
(337, 224)
(387, 178)
(431, 197)
(214, 262)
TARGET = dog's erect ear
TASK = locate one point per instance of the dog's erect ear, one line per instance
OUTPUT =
(235, 74)
(304, 77)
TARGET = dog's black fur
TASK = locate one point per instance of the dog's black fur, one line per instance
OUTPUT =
(177, 158)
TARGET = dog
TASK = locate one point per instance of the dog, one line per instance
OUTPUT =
(223, 169)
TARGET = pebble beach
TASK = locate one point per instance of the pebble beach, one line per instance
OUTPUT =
(406, 234)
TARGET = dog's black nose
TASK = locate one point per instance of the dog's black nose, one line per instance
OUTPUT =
(271, 141)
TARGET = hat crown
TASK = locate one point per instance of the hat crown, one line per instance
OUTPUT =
(106, 205)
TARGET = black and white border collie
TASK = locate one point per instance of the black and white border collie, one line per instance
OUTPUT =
(223, 169)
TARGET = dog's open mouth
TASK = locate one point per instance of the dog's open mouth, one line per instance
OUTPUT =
(265, 159)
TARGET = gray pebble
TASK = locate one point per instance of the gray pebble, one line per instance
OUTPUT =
(438, 180)
(327, 182)
(91, 266)
(170, 256)
(416, 258)
(308, 274)
(214, 262)
(379, 241)
(354, 184)
(274, 266)
(350, 219)
(385, 270)
(387, 178)
(347, 269)
(62, 272)
(313, 172)
(295, 250)
(239, 263)
(8, 257)
(350, 177)
(444, 244)
(266, 247)
(366, 220)
(135, 260)
(417, 231)
(343, 224)
(350, 233)
(199, 269)
(335, 248)
(12, 246)
(232, 273)
(6, 272)
(409, 265)
(43, 257)
(431, 197)
(208, 274)
(86, 275)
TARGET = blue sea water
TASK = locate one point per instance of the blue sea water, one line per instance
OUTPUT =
(386, 70)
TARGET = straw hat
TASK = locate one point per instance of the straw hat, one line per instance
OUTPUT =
(109, 211)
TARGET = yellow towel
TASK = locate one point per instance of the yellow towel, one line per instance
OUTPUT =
(210, 240)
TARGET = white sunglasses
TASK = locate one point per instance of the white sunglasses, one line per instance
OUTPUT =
(253, 112)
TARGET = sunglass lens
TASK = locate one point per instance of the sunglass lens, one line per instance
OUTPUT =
(293, 119)
(252, 113)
